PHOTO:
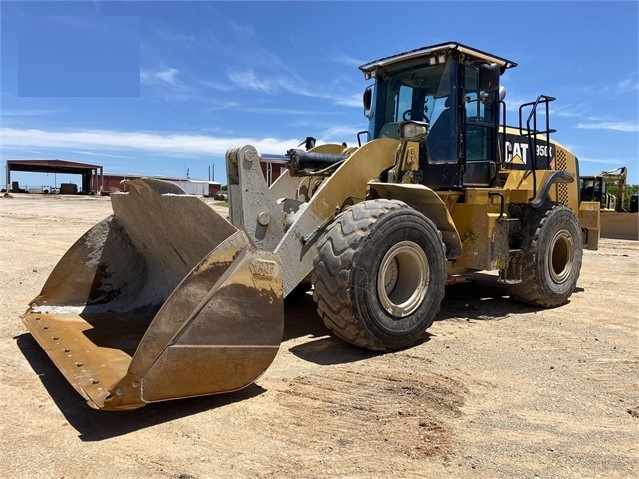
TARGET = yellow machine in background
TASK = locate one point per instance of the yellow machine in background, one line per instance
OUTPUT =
(608, 189)
(597, 188)
(166, 299)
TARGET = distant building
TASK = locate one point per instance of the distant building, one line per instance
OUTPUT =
(91, 174)
(273, 167)
(115, 183)
(93, 180)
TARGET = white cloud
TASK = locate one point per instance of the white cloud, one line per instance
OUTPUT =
(167, 77)
(610, 125)
(93, 153)
(163, 31)
(346, 60)
(285, 111)
(333, 133)
(167, 82)
(243, 30)
(34, 112)
(158, 143)
(337, 134)
(249, 80)
(354, 100)
(599, 161)
(557, 109)
(571, 111)
(629, 83)
(216, 85)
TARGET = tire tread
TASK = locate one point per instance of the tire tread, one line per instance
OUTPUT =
(331, 278)
(531, 290)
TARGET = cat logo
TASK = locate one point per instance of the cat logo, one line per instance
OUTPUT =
(516, 153)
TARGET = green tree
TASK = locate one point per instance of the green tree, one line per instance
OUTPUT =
(613, 189)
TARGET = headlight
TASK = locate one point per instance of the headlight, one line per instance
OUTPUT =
(413, 130)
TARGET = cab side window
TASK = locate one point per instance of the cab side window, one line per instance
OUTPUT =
(480, 164)
(479, 118)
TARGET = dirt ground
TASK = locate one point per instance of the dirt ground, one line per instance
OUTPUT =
(499, 389)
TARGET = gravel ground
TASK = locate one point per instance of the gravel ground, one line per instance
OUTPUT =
(499, 389)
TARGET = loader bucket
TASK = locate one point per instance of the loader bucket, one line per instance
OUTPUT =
(164, 299)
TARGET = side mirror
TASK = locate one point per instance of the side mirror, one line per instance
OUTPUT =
(368, 101)
(489, 77)
(502, 93)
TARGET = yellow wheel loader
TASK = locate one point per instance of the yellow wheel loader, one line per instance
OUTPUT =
(595, 188)
(167, 299)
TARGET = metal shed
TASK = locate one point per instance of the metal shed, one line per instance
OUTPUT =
(92, 175)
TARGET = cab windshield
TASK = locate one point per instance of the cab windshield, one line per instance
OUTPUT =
(419, 93)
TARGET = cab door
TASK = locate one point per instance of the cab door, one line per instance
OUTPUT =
(480, 136)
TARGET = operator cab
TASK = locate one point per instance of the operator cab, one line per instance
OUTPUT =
(452, 89)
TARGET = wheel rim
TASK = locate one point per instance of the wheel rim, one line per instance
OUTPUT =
(560, 256)
(402, 280)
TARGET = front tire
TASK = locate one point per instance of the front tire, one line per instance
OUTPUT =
(552, 261)
(380, 274)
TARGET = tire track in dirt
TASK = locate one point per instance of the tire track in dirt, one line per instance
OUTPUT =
(404, 412)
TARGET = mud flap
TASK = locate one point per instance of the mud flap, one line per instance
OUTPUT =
(164, 300)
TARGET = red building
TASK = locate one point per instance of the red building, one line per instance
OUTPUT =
(272, 166)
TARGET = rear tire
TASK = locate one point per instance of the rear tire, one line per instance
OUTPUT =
(552, 261)
(380, 274)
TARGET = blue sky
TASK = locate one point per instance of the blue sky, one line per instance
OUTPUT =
(157, 88)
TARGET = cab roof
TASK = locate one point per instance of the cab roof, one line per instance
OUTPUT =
(367, 68)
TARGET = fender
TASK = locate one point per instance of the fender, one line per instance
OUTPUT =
(559, 176)
(426, 201)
